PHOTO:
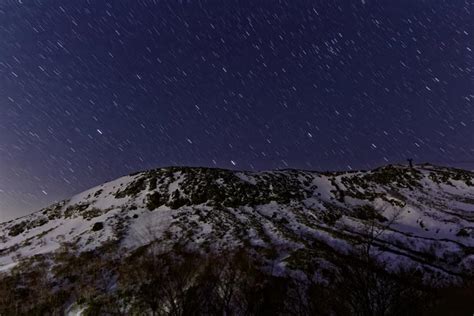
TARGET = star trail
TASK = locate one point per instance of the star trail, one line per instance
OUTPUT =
(93, 90)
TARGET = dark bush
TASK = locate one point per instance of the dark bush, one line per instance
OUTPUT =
(17, 229)
(463, 233)
(97, 226)
(155, 200)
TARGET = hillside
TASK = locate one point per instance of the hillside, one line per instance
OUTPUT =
(286, 210)
(294, 221)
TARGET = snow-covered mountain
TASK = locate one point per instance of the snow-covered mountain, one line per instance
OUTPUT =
(420, 216)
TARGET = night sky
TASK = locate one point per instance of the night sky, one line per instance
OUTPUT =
(93, 90)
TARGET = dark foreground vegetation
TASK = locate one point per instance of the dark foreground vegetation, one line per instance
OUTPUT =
(150, 281)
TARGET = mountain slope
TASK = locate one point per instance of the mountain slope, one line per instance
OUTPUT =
(421, 216)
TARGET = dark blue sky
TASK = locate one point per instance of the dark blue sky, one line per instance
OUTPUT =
(92, 90)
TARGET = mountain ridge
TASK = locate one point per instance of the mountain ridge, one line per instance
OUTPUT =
(429, 209)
